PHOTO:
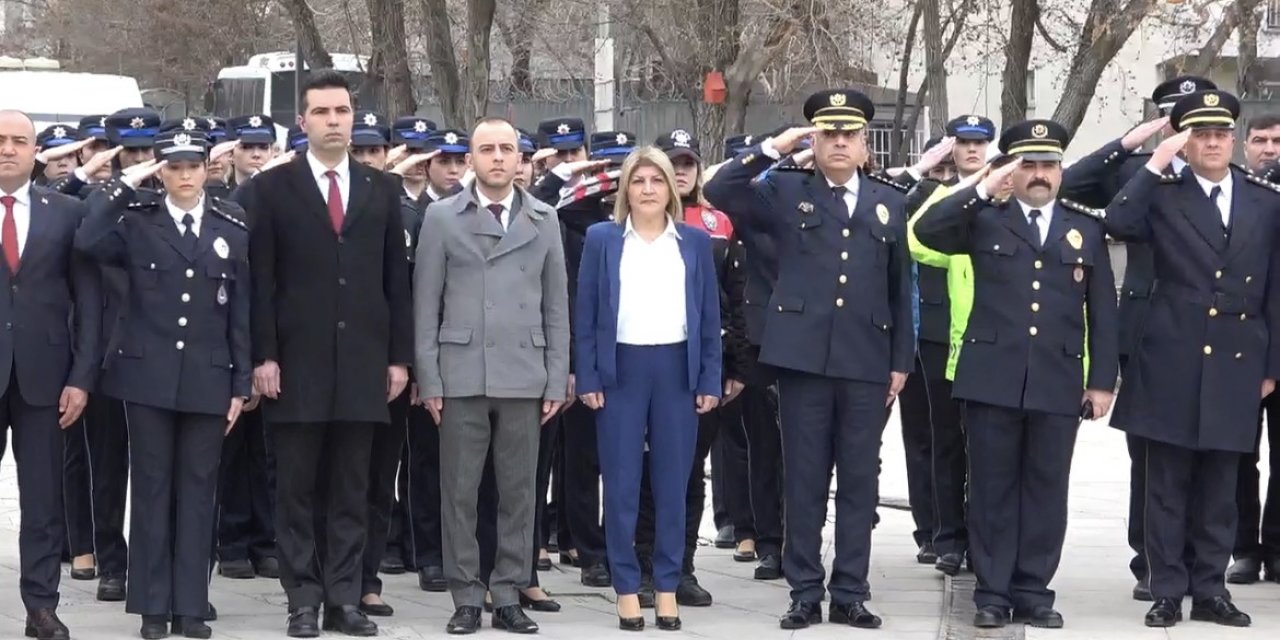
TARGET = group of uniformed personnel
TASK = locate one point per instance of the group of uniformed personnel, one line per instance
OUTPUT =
(974, 286)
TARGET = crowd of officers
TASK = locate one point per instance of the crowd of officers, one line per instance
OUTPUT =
(974, 287)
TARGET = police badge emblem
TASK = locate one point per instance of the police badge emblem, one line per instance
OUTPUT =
(451, 138)
(137, 123)
(255, 121)
(805, 207)
(1211, 100)
(1078, 274)
(420, 126)
(59, 132)
(1039, 131)
(562, 129)
(1075, 239)
(838, 99)
(709, 220)
(370, 120)
(222, 293)
(622, 138)
(1187, 86)
(220, 247)
(189, 124)
(972, 121)
(182, 140)
(882, 213)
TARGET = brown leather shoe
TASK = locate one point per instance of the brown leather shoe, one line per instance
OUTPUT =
(44, 624)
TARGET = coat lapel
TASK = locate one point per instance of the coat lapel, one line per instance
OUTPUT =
(825, 200)
(1246, 210)
(868, 198)
(613, 263)
(689, 255)
(305, 186)
(1200, 212)
(1060, 222)
(361, 187)
(521, 229)
(37, 230)
(1016, 221)
(169, 231)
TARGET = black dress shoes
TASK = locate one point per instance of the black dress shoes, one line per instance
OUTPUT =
(545, 605)
(1244, 571)
(1272, 567)
(770, 568)
(1043, 617)
(801, 615)
(211, 614)
(432, 579)
(191, 627)
(1142, 591)
(111, 589)
(1219, 610)
(926, 554)
(465, 621)
(84, 574)
(1166, 612)
(991, 617)
(724, 537)
(597, 575)
(268, 568)
(691, 594)
(668, 623)
(631, 624)
(349, 620)
(304, 622)
(44, 624)
(154, 627)
(379, 609)
(391, 565)
(544, 564)
(854, 614)
(949, 563)
(236, 569)
(512, 618)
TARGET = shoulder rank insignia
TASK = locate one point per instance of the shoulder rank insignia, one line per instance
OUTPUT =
(886, 180)
(1169, 178)
(1096, 214)
(219, 207)
(1265, 183)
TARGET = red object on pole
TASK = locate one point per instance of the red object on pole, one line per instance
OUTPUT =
(713, 89)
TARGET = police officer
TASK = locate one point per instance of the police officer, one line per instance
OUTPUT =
(188, 309)
(52, 137)
(370, 139)
(568, 136)
(1042, 282)
(257, 136)
(1192, 388)
(842, 351)
(297, 139)
(215, 131)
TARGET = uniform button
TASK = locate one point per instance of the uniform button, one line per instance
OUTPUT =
(191, 273)
(186, 297)
(1208, 350)
(1035, 307)
(342, 281)
(182, 322)
(1039, 264)
(153, 265)
(1213, 313)
(1239, 355)
(342, 324)
(181, 345)
(844, 255)
(995, 247)
(1248, 278)
(1033, 331)
(1035, 285)
(1218, 275)
(843, 279)
(845, 233)
(779, 307)
(839, 302)
(1243, 316)
(735, 264)
(489, 343)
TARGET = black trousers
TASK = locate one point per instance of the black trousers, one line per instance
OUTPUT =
(487, 524)
(1021, 470)
(695, 496)
(721, 501)
(1258, 532)
(77, 490)
(384, 466)
(415, 532)
(581, 487)
(829, 423)
(246, 522)
(38, 451)
(937, 464)
(758, 407)
(1189, 504)
(328, 461)
(107, 431)
(174, 506)
(731, 480)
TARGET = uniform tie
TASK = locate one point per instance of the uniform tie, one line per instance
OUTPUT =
(10, 234)
(336, 213)
(189, 232)
(838, 192)
(1214, 194)
(496, 209)
(1033, 219)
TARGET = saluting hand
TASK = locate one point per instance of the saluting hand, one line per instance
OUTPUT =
(935, 155)
(266, 379)
(283, 158)
(1166, 150)
(395, 155)
(57, 153)
(995, 177)
(222, 149)
(1138, 135)
(397, 380)
(897, 380)
(412, 161)
(1101, 401)
(71, 404)
(784, 142)
(583, 167)
(804, 158)
(233, 414)
(100, 160)
(542, 154)
(135, 175)
(706, 403)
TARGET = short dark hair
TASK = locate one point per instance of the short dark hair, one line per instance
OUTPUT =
(1264, 121)
(323, 79)
(494, 120)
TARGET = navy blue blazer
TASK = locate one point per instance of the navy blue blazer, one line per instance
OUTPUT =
(596, 312)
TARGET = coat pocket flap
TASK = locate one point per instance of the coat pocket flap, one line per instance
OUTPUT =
(882, 320)
(539, 338)
(980, 334)
(455, 335)
(788, 304)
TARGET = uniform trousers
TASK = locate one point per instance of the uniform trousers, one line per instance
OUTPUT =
(246, 521)
(1258, 532)
(38, 452)
(329, 462)
(936, 461)
(384, 464)
(417, 535)
(1190, 519)
(581, 486)
(829, 423)
(758, 405)
(107, 431)
(77, 490)
(650, 403)
(174, 507)
(1018, 480)
(731, 472)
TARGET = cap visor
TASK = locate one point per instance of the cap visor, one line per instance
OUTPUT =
(137, 143)
(183, 156)
(256, 138)
(973, 135)
(1040, 156)
(683, 152)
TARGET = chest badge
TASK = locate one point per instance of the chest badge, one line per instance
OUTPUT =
(222, 293)
(805, 207)
(1078, 274)
(1075, 240)
(882, 213)
(709, 220)
(220, 247)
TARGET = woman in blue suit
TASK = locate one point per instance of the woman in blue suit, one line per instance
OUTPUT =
(648, 361)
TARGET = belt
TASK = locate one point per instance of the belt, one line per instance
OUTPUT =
(1223, 302)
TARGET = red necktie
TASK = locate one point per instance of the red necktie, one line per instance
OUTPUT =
(335, 202)
(10, 234)
(497, 209)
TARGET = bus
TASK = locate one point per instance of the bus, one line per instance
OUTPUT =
(39, 87)
(266, 86)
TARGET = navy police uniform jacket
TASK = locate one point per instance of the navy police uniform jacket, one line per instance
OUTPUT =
(184, 345)
(1210, 337)
(841, 306)
(1033, 307)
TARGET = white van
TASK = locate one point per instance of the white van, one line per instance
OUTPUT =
(51, 96)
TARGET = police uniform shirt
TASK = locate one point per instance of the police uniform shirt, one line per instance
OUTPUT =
(319, 172)
(651, 295)
(177, 213)
(431, 193)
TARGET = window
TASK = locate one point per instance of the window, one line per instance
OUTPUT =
(880, 142)
(1031, 93)
(238, 96)
(1271, 19)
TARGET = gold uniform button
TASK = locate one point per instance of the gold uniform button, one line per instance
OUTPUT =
(191, 273)
(995, 247)
(839, 302)
(1035, 285)
(1208, 350)
(845, 233)
(181, 345)
(1035, 307)
(843, 279)
(1033, 331)
(1039, 265)
(844, 255)
(1213, 313)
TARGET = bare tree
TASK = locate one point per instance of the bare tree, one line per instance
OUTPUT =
(904, 72)
(935, 62)
(389, 64)
(1107, 26)
(1022, 31)
(517, 32)
(304, 23)
(1247, 68)
(462, 86)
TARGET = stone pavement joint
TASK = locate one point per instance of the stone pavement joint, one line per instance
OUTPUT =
(958, 611)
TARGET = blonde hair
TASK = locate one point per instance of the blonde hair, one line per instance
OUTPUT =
(647, 157)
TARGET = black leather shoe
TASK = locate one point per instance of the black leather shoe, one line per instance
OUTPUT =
(211, 614)
(154, 627)
(1219, 610)
(770, 568)
(44, 624)
(304, 622)
(691, 594)
(739, 555)
(544, 564)
(268, 568)
(569, 559)
(381, 609)
(432, 579)
(236, 569)
(855, 615)
(1041, 616)
(111, 589)
(991, 617)
(631, 624)
(668, 623)
(1166, 612)
(801, 614)
(465, 621)
(1244, 571)
(84, 574)
(391, 565)
(191, 627)
(949, 563)
(596, 575)
(545, 605)
(724, 537)
(1272, 572)
(926, 554)
(512, 618)
(1142, 591)
(349, 620)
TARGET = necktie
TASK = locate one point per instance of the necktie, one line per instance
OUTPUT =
(497, 209)
(189, 232)
(839, 192)
(1033, 219)
(1214, 194)
(336, 213)
(10, 234)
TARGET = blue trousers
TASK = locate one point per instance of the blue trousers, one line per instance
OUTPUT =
(651, 403)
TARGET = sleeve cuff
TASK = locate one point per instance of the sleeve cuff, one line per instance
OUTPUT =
(981, 191)
(81, 175)
(767, 149)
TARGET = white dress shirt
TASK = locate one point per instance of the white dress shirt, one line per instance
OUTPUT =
(651, 304)
(177, 213)
(1223, 201)
(343, 169)
(1042, 223)
(432, 193)
(506, 203)
(21, 213)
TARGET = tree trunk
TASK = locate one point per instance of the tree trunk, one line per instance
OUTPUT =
(1247, 80)
(444, 64)
(479, 27)
(390, 60)
(304, 25)
(517, 35)
(1107, 27)
(1208, 54)
(935, 65)
(1017, 60)
(740, 76)
(900, 104)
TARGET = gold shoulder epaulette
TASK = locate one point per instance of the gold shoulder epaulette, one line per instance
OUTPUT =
(1096, 214)
(1168, 179)
(883, 179)
(220, 208)
(1262, 182)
